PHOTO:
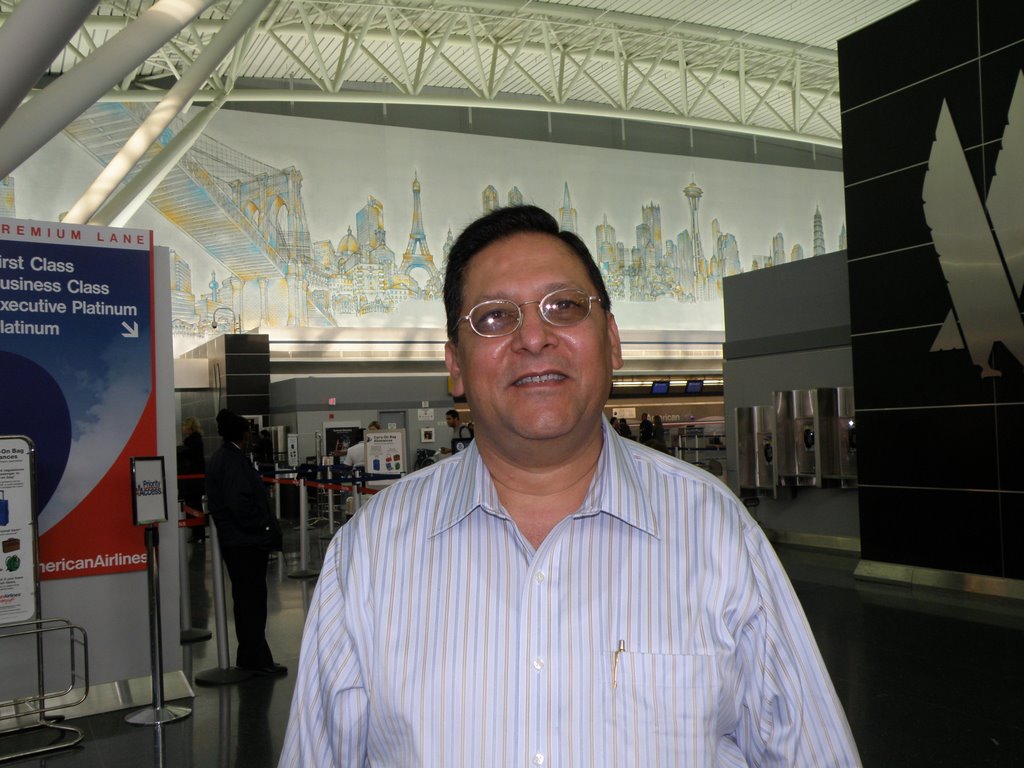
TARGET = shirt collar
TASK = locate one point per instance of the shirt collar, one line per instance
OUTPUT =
(616, 489)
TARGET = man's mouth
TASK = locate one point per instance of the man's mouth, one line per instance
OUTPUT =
(544, 378)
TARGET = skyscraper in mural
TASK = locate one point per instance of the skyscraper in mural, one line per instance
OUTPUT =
(515, 197)
(652, 221)
(370, 224)
(693, 194)
(606, 252)
(778, 249)
(567, 214)
(490, 198)
(819, 233)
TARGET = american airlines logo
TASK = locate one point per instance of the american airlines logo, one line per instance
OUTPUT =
(980, 244)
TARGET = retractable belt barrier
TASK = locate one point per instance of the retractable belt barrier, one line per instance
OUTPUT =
(189, 634)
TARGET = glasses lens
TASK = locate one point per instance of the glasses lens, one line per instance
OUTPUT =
(566, 307)
(494, 318)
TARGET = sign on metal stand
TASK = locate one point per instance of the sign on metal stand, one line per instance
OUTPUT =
(21, 622)
(149, 509)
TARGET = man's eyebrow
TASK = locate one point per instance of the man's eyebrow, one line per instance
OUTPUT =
(541, 292)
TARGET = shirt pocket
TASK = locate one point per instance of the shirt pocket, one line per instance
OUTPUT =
(664, 709)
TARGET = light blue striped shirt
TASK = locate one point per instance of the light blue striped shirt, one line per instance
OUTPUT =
(437, 635)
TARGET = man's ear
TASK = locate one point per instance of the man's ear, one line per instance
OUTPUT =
(451, 360)
(614, 342)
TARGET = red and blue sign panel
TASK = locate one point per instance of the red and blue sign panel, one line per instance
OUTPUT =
(76, 356)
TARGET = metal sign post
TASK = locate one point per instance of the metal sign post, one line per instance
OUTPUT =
(149, 507)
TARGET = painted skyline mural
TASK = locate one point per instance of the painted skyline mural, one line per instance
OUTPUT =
(327, 242)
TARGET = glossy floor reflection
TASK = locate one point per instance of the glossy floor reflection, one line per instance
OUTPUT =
(928, 678)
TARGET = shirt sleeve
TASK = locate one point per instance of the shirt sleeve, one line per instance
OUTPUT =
(328, 723)
(793, 717)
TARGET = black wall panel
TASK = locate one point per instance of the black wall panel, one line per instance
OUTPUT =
(908, 142)
(952, 531)
(941, 449)
(876, 280)
(905, 48)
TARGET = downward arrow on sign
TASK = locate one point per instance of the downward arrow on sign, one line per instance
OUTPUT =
(131, 331)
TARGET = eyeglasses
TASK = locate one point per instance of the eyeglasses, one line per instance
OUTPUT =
(500, 317)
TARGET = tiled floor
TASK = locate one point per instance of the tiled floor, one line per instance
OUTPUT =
(928, 678)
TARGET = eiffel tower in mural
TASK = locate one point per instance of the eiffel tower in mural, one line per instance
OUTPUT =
(417, 253)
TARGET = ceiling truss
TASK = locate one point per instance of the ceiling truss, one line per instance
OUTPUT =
(492, 54)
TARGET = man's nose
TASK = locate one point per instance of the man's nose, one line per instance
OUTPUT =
(534, 332)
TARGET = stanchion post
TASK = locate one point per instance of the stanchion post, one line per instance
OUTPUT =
(158, 713)
(189, 634)
(277, 493)
(304, 571)
(330, 513)
(224, 673)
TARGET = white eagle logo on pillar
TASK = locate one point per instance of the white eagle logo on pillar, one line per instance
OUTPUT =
(980, 245)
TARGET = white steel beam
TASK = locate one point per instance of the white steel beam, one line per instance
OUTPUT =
(30, 39)
(45, 115)
(162, 115)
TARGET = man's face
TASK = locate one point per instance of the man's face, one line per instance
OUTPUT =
(542, 382)
(450, 420)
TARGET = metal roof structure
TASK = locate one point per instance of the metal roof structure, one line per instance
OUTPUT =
(758, 67)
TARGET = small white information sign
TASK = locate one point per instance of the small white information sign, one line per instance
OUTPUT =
(385, 452)
(17, 531)
(149, 490)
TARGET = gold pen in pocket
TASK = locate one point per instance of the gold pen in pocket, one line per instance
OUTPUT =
(615, 663)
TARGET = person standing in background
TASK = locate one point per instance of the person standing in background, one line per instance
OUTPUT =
(659, 429)
(355, 456)
(247, 532)
(192, 461)
(646, 428)
(459, 430)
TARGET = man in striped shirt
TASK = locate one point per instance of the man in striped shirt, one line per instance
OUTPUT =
(555, 595)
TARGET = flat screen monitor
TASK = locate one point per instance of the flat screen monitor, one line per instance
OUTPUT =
(659, 388)
(694, 386)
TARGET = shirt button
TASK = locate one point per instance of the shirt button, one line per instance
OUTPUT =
(538, 759)
(539, 576)
(538, 664)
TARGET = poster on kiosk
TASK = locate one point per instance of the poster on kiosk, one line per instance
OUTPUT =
(77, 355)
(17, 531)
(385, 452)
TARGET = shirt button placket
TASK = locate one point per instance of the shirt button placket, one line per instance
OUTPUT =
(538, 665)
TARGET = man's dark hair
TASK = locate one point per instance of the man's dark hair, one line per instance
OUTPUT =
(453, 413)
(495, 226)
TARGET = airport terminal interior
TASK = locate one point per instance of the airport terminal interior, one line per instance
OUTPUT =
(283, 179)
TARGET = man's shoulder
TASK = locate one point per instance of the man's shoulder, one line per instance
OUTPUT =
(655, 465)
(426, 493)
